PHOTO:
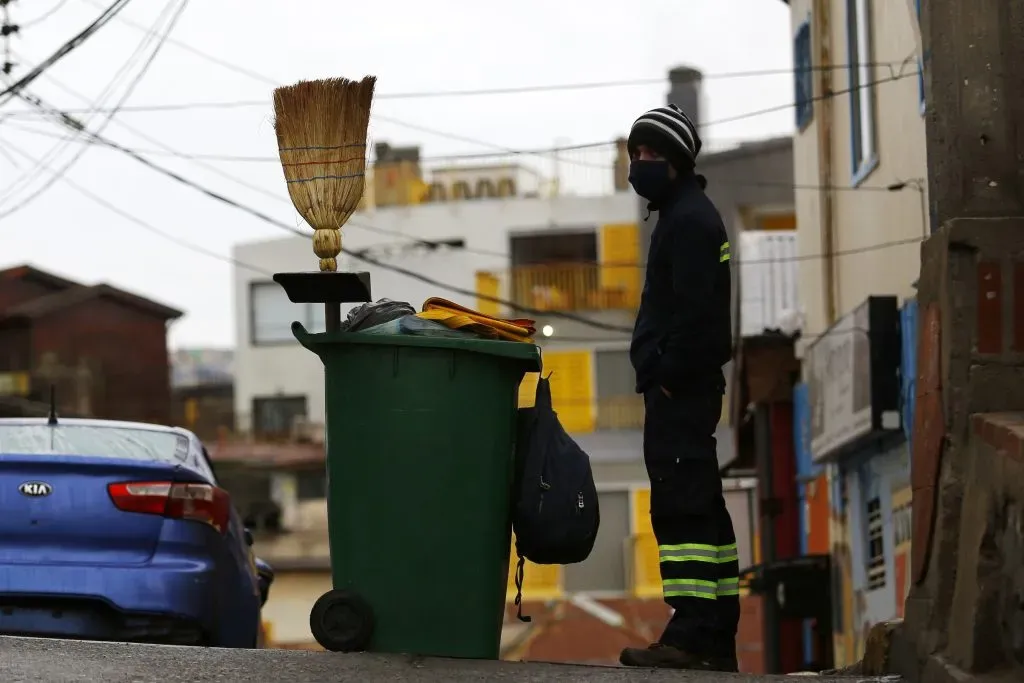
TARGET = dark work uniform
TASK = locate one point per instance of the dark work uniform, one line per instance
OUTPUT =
(681, 341)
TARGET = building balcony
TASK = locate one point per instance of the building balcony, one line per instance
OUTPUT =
(298, 430)
(561, 287)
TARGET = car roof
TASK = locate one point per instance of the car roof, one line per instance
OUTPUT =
(86, 422)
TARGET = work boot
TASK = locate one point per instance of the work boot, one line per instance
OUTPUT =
(661, 656)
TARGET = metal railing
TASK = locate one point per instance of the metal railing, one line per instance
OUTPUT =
(564, 287)
(301, 430)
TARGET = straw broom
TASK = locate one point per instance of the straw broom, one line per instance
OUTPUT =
(321, 139)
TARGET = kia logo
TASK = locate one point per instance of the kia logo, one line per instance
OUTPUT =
(36, 489)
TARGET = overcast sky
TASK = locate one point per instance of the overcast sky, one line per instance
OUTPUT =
(411, 46)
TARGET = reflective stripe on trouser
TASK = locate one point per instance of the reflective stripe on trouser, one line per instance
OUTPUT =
(726, 565)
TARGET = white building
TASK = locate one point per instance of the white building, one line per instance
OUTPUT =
(270, 366)
(859, 153)
(856, 236)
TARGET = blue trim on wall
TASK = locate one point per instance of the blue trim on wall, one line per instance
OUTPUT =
(860, 169)
(867, 168)
(803, 75)
(804, 468)
(908, 366)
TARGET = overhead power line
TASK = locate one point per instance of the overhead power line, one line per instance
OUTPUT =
(241, 158)
(412, 240)
(263, 78)
(256, 213)
(380, 264)
(897, 76)
(170, 237)
(200, 156)
(113, 112)
(44, 16)
(245, 104)
(433, 244)
(12, 90)
(549, 152)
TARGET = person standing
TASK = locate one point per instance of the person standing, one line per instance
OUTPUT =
(681, 340)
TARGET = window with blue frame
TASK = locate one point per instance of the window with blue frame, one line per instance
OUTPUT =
(920, 63)
(862, 101)
(803, 72)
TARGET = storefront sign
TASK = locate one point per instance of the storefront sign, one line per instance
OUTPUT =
(852, 377)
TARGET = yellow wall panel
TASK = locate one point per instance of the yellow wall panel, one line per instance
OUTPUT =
(619, 254)
(528, 389)
(641, 499)
(488, 285)
(540, 581)
(646, 570)
(572, 388)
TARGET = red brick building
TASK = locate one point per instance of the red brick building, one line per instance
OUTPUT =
(104, 349)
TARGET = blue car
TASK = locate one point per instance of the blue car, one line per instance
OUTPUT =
(118, 531)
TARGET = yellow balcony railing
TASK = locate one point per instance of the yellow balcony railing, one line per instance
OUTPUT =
(565, 287)
(620, 412)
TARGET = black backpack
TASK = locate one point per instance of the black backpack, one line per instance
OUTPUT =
(555, 512)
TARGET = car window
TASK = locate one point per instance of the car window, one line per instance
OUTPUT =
(93, 441)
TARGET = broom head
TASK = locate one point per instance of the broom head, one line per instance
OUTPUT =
(321, 139)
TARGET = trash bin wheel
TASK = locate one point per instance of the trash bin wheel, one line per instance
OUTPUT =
(341, 621)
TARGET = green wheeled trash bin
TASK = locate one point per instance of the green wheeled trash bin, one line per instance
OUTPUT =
(420, 446)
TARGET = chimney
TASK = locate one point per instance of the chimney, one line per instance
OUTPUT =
(684, 91)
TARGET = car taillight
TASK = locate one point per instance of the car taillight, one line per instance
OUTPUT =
(195, 502)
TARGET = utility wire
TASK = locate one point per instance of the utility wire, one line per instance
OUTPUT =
(113, 112)
(277, 160)
(12, 90)
(256, 213)
(454, 136)
(552, 152)
(170, 237)
(44, 16)
(199, 156)
(413, 241)
(233, 177)
(397, 269)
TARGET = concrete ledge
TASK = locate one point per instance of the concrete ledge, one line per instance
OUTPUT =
(35, 660)
(979, 574)
(1002, 431)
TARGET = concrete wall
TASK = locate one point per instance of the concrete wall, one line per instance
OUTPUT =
(865, 216)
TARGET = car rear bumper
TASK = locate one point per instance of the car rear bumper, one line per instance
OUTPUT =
(168, 603)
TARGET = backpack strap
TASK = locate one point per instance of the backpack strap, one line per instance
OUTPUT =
(519, 590)
(542, 399)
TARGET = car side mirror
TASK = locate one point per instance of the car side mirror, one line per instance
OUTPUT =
(265, 577)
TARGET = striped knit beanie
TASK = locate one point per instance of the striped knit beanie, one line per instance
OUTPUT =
(669, 132)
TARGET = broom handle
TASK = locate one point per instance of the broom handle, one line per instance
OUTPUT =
(332, 317)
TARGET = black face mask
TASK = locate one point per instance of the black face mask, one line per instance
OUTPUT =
(650, 178)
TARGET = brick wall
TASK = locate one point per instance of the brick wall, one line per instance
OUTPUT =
(125, 347)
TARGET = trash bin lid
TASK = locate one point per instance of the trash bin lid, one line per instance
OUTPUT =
(528, 355)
